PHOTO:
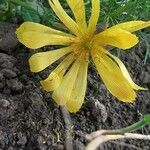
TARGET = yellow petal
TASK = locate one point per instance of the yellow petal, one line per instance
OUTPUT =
(116, 37)
(126, 73)
(112, 77)
(34, 35)
(78, 9)
(32, 26)
(79, 89)
(55, 78)
(133, 26)
(94, 16)
(63, 16)
(40, 61)
(62, 94)
(67, 91)
(36, 40)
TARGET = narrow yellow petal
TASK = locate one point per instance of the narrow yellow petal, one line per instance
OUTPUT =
(34, 35)
(94, 16)
(63, 16)
(133, 26)
(126, 73)
(78, 92)
(78, 9)
(36, 40)
(112, 77)
(67, 91)
(55, 78)
(116, 37)
(40, 61)
(32, 26)
(62, 94)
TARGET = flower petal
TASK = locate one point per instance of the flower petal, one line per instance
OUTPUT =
(78, 9)
(55, 78)
(126, 73)
(79, 89)
(72, 89)
(116, 37)
(32, 26)
(112, 77)
(34, 35)
(133, 26)
(40, 61)
(94, 16)
(63, 16)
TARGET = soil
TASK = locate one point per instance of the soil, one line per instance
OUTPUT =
(30, 120)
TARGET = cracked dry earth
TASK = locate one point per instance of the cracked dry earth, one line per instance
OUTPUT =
(30, 120)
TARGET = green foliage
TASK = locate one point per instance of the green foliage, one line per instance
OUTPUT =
(147, 119)
(4, 13)
(113, 11)
(27, 11)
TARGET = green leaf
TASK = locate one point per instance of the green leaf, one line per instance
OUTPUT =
(147, 119)
(29, 15)
(26, 5)
(5, 17)
(2, 2)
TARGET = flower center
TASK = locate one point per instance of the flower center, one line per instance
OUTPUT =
(87, 42)
(87, 45)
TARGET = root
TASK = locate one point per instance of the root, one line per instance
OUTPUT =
(102, 136)
(68, 129)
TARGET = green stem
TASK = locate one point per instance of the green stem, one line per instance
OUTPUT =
(144, 38)
(130, 128)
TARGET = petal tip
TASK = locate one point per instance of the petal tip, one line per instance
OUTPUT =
(128, 100)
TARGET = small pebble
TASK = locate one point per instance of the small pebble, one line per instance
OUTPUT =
(6, 91)
(7, 64)
(4, 103)
(22, 140)
(9, 73)
(14, 85)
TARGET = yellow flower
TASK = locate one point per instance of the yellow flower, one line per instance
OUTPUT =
(69, 80)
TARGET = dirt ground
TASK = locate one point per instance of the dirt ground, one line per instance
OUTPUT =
(30, 120)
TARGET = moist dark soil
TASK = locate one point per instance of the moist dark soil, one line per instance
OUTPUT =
(30, 119)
